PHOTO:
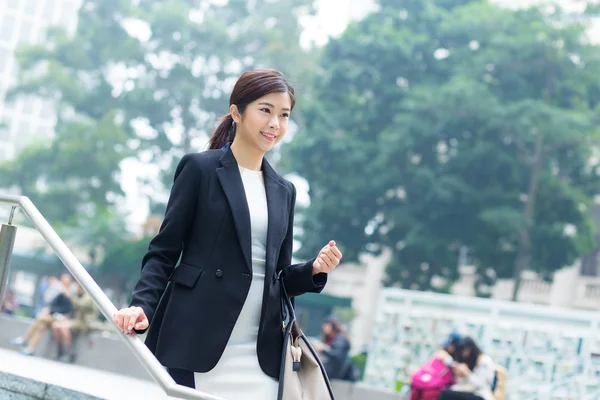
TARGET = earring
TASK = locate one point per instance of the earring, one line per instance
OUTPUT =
(233, 128)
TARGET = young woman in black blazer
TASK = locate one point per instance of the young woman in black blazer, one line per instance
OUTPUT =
(227, 233)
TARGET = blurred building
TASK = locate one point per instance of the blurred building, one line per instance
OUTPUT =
(575, 287)
(25, 22)
(362, 283)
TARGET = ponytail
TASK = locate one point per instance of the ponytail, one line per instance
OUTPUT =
(223, 134)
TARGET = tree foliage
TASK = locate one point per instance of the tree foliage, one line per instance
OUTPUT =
(145, 79)
(424, 134)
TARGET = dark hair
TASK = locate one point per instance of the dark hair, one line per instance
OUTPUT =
(337, 327)
(471, 360)
(251, 86)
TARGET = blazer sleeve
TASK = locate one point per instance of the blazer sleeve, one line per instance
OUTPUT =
(297, 278)
(165, 248)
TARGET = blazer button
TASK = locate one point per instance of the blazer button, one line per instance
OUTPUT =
(219, 273)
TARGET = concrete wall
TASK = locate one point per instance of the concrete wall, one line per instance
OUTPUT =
(106, 352)
(348, 391)
(17, 388)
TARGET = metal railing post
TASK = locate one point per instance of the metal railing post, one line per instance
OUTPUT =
(8, 234)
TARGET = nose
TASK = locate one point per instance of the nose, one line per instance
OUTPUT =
(274, 122)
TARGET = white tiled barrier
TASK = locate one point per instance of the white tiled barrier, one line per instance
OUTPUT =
(549, 352)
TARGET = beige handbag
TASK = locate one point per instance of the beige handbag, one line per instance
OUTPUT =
(302, 375)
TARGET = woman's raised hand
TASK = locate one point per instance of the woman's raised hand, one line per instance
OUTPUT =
(329, 257)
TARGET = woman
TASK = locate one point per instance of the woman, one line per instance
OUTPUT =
(335, 351)
(474, 372)
(428, 381)
(229, 220)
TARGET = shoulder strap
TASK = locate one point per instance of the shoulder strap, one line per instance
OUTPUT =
(288, 314)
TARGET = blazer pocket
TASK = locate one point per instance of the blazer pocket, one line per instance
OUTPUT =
(186, 275)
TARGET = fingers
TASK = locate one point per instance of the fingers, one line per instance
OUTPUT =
(336, 252)
(318, 265)
(327, 263)
(333, 253)
(328, 258)
(129, 318)
(331, 246)
(118, 319)
(126, 319)
(142, 325)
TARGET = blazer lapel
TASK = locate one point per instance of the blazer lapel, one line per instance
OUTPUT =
(278, 205)
(231, 181)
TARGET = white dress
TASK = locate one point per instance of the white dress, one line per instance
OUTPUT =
(238, 375)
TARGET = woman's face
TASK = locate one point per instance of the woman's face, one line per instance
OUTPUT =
(327, 329)
(264, 122)
(466, 352)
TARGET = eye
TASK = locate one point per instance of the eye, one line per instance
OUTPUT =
(265, 110)
(285, 115)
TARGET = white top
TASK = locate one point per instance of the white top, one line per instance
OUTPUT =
(246, 327)
(480, 381)
(256, 195)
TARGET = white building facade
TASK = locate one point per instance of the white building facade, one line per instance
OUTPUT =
(25, 22)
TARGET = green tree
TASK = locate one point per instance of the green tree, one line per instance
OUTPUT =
(98, 233)
(166, 88)
(425, 133)
(120, 93)
(74, 175)
(120, 267)
(195, 53)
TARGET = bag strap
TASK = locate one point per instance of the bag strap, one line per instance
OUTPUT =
(288, 314)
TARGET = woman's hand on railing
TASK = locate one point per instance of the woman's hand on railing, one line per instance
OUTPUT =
(128, 319)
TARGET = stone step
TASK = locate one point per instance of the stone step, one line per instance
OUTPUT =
(13, 387)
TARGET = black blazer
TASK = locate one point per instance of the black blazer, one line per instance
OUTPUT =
(207, 229)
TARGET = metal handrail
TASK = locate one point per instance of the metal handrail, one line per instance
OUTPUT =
(143, 354)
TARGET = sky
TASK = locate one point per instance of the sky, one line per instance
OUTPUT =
(332, 18)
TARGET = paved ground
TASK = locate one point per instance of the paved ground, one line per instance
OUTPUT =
(86, 380)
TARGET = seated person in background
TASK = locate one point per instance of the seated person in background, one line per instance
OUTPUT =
(9, 305)
(474, 372)
(84, 312)
(55, 287)
(59, 308)
(44, 318)
(334, 351)
(449, 346)
(428, 381)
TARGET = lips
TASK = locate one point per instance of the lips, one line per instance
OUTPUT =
(268, 136)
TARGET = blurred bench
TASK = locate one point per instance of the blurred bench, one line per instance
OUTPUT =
(48, 348)
(99, 349)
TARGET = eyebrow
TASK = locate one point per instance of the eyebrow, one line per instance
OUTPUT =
(271, 105)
